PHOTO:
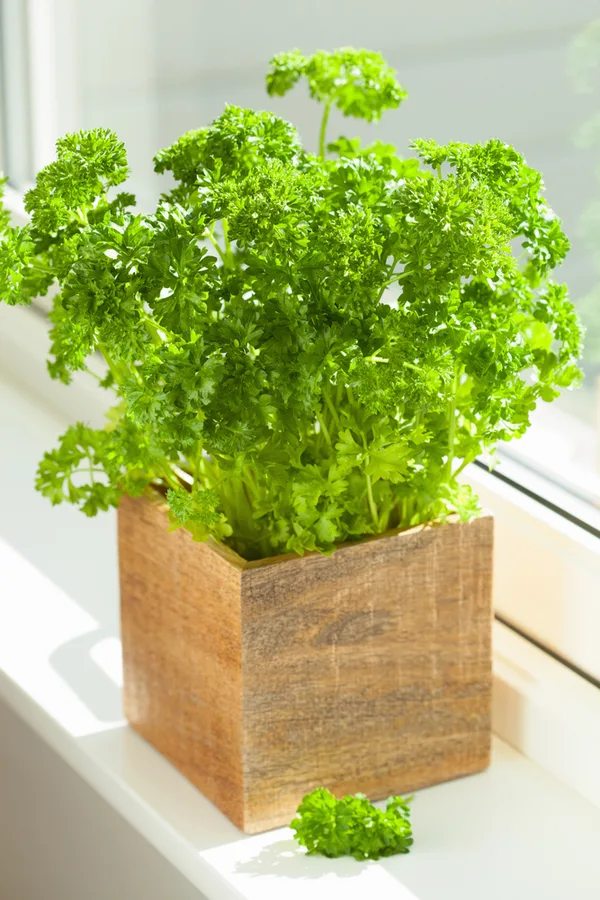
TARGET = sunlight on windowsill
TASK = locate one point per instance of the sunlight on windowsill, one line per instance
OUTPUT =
(56, 651)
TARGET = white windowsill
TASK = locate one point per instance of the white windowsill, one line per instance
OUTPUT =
(514, 832)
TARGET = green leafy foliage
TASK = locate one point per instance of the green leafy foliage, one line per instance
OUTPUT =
(358, 82)
(94, 468)
(87, 163)
(304, 349)
(197, 512)
(352, 826)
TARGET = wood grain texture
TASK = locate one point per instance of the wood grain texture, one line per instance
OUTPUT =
(182, 651)
(369, 670)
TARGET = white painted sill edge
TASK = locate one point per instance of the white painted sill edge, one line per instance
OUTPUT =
(541, 708)
(547, 712)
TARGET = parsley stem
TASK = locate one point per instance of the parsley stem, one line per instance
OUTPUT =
(197, 468)
(323, 428)
(388, 279)
(116, 372)
(370, 498)
(152, 329)
(251, 482)
(228, 253)
(372, 506)
(452, 424)
(88, 371)
(332, 408)
(465, 463)
(216, 245)
(323, 130)
(169, 477)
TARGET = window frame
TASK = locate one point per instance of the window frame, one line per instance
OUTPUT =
(16, 146)
(546, 570)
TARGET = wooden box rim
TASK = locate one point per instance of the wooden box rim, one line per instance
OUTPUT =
(238, 562)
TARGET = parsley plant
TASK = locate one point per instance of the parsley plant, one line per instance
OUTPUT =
(305, 349)
(352, 826)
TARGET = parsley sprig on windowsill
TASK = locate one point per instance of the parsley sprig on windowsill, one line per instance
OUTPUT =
(305, 349)
(352, 826)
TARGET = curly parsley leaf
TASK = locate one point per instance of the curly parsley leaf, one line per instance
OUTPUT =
(358, 82)
(87, 164)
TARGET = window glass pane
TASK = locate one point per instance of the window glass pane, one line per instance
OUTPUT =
(15, 106)
(564, 443)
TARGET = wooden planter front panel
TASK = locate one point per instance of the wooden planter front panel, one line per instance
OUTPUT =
(368, 670)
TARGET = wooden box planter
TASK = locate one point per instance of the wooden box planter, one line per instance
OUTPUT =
(368, 670)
